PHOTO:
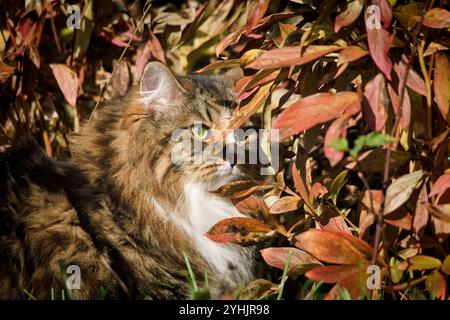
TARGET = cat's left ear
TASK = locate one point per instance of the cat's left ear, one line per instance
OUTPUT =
(159, 87)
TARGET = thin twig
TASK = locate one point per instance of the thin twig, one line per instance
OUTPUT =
(148, 5)
(380, 232)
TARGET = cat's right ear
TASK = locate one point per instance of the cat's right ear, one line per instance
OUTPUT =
(159, 88)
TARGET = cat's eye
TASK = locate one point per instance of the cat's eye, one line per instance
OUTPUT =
(200, 131)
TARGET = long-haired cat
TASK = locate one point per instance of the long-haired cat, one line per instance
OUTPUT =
(121, 210)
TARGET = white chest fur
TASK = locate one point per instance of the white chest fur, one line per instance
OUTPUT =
(204, 209)
(201, 210)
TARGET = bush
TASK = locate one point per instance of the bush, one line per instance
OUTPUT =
(359, 93)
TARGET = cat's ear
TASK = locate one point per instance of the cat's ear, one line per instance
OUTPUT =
(159, 87)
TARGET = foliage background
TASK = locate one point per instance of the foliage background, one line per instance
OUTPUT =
(362, 106)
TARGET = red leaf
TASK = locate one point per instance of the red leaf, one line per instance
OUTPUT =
(421, 214)
(400, 218)
(380, 42)
(315, 109)
(300, 263)
(333, 221)
(333, 246)
(375, 93)
(337, 129)
(67, 81)
(437, 18)
(436, 284)
(414, 81)
(300, 186)
(288, 56)
(406, 108)
(230, 39)
(256, 13)
(348, 16)
(332, 274)
(355, 284)
(441, 185)
(243, 231)
(442, 85)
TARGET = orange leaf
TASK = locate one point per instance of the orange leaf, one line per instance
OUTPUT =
(351, 54)
(436, 284)
(300, 263)
(315, 109)
(285, 204)
(243, 231)
(250, 205)
(334, 246)
(288, 56)
(332, 274)
(256, 13)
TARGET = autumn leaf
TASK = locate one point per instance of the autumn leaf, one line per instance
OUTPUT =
(349, 15)
(374, 160)
(256, 13)
(315, 109)
(437, 18)
(441, 185)
(405, 119)
(401, 190)
(442, 85)
(436, 284)
(337, 129)
(413, 80)
(380, 42)
(251, 205)
(285, 204)
(421, 262)
(350, 54)
(288, 56)
(421, 213)
(333, 246)
(300, 262)
(242, 231)
(376, 97)
(67, 81)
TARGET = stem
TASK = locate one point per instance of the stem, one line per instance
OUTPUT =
(147, 9)
(379, 233)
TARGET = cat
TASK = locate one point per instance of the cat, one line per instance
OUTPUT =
(120, 211)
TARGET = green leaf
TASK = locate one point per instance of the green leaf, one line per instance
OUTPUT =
(340, 144)
(421, 262)
(337, 185)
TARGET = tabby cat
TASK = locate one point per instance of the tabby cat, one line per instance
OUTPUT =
(121, 211)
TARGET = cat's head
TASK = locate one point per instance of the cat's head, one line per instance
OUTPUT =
(170, 120)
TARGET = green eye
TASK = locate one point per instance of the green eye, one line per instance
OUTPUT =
(200, 131)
